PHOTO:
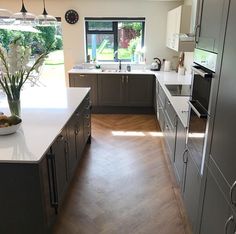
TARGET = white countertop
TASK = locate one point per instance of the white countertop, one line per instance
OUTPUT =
(44, 112)
(178, 102)
(108, 71)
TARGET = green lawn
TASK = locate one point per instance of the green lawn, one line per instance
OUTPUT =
(55, 58)
(108, 54)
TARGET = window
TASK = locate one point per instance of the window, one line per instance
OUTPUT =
(113, 39)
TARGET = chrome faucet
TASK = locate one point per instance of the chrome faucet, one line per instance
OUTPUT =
(116, 55)
(119, 64)
(116, 59)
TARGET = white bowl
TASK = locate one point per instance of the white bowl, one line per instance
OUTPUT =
(9, 130)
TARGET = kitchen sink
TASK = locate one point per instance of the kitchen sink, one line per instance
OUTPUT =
(113, 70)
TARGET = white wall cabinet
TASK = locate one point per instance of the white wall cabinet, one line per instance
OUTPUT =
(178, 22)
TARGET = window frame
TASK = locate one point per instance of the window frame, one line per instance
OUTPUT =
(114, 31)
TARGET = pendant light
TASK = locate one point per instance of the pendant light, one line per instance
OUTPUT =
(45, 19)
(5, 17)
(23, 17)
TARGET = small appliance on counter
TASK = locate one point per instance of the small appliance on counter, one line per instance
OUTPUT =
(167, 66)
(156, 65)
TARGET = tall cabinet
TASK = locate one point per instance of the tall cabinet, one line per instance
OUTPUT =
(220, 195)
(208, 30)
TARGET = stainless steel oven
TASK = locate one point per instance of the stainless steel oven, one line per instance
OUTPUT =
(203, 72)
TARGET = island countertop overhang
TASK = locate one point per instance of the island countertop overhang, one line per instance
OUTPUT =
(44, 112)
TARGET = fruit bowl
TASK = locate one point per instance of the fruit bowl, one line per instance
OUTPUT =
(9, 130)
(9, 124)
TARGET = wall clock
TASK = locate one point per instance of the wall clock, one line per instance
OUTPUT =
(72, 16)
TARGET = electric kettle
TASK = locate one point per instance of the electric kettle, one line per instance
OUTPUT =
(156, 64)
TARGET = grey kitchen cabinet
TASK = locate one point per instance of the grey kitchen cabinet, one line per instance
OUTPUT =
(223, 145)
(180, 151)
(217, 216)
(157, 104)
(87, 120)
(85, 80)
(139, 90)
(58, 157)
(170, 128)
(74, 140)
(161, 118)
(160, 106)
(170, 136)
(187, 172)
(191, 189)
(27, 201)
(208, 28)
(125, 90)
(167, 120)
(111, 90)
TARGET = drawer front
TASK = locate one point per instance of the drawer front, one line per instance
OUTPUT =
(170, 112)
(169, 133)
(92, 76)
(162, 96)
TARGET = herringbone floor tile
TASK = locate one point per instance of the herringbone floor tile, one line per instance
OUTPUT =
(122, 185)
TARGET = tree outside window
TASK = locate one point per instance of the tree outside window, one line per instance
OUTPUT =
(115, 40)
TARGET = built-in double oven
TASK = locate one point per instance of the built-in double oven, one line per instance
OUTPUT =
(199, 104)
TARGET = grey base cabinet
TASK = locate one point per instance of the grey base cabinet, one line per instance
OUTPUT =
(85, 80)
(167, 120)
(186, 170)
(125, 90)
(111, 90)
(139, 90)
(180, 151)
(117, 93)
(191, 190)
(32, 193)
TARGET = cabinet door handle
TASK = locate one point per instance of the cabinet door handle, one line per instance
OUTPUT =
(127, 79)
(168, 102)
(232, 192)
(197, 31)
(122, 79)
(52, 181)
(185, 159)
(88, 107)
(82, 75)
(60, 137)
(227, 223)
(77, 131)
(66, 146)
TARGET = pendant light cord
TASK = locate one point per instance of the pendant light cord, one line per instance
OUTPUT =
(44, 9)
(23, 10)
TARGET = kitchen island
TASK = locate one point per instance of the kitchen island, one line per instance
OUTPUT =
(38, 161)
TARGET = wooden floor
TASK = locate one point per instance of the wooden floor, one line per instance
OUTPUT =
(123, 185)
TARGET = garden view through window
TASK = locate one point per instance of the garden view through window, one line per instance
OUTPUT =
(115, 39)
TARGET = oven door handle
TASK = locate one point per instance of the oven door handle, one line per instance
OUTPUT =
(202, 73)
(200, 115)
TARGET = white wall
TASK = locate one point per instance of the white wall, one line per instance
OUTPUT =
(73, 35)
